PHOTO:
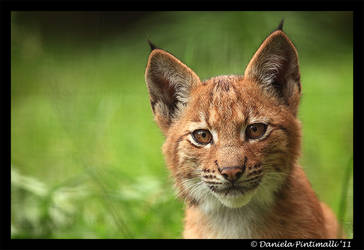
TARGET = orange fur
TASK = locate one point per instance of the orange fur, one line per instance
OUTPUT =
(270, 196)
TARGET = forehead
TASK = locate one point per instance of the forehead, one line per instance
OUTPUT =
(225, 101)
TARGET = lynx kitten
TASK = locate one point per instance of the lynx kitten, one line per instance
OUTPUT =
(232, 146)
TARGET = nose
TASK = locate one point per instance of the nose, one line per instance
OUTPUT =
(232, 173)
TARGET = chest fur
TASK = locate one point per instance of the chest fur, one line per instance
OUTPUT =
(221, 223)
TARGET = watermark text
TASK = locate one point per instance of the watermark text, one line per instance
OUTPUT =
(301, 243)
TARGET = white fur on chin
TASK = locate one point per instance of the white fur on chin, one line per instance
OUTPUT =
(235, 201)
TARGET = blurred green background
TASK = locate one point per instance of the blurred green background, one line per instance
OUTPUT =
(86, 157)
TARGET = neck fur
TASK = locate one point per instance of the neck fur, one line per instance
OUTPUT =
(243, 222)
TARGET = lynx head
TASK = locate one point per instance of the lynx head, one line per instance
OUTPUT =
(230, 140)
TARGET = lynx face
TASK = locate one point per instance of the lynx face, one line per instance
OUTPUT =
(230, 140)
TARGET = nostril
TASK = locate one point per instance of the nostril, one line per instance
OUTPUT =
(238, 174)
(225, 176)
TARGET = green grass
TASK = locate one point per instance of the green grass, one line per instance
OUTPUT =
(85, 151)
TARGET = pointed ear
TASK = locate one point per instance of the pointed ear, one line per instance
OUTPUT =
(169, 83)
(275, 67)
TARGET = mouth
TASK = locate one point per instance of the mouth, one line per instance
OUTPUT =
(235, 195)
(235, 190)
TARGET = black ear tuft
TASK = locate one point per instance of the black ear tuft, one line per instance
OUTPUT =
(152, 46)
(280, 26)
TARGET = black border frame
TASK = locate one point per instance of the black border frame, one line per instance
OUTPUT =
(6, 6)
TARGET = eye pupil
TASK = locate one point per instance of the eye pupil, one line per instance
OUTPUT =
(254, 128)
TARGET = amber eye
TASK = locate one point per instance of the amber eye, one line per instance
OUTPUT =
(255, 130)
(202, 136)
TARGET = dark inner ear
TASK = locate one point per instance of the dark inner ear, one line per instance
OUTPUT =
(279, 82)
(169, 84)
(275, 67)
(277, 85)
(167, 94)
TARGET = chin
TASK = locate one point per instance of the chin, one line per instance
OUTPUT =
(235, 199)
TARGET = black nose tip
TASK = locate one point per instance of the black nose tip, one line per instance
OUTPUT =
(232, 173)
